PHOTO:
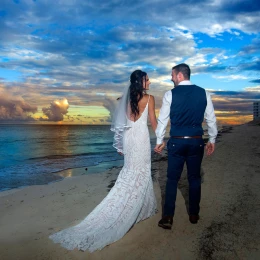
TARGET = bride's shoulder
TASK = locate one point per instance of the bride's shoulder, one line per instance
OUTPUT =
(148, 96)
(150, 99)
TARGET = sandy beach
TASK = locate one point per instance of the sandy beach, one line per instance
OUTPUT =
(229, 218)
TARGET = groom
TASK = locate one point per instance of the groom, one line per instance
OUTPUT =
(186, 105)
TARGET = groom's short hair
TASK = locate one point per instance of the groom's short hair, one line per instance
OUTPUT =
(184, 69)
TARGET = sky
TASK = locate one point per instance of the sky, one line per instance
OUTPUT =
(67, 61)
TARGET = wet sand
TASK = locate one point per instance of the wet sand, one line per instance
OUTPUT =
(228, 227)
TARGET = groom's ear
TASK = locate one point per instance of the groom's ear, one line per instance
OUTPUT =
(180, 76)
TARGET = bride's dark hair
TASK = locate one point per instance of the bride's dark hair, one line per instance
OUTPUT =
(136, 90)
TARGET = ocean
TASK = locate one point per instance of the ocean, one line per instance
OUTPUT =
(34, 154)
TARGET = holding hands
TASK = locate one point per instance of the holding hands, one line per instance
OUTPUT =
(159, 147)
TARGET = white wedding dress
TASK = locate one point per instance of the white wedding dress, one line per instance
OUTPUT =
(131, 199)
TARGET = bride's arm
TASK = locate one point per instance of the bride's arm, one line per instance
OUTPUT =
(151, 110)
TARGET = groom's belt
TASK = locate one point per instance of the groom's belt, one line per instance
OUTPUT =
(187, 137)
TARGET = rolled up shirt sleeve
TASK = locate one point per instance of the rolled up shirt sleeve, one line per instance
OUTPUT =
(210, 118)
(164, 116)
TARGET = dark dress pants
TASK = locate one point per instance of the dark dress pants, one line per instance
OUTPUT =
(180, 151)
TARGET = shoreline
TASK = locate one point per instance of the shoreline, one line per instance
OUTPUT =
(59, 175)
(73, 172)
(79, 171)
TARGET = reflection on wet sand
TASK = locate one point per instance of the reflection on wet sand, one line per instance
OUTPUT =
(65, 173)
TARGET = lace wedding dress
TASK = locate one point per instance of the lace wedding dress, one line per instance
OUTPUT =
(131, 199)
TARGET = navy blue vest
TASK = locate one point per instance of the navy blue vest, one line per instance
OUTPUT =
(187, 110)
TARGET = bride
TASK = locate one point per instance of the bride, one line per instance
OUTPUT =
(132, 198)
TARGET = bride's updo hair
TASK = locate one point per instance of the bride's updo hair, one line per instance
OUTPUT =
(136, 90)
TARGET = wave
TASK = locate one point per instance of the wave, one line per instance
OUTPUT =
(92, 144)
(57, 163)
(42, 171)
(64, 156)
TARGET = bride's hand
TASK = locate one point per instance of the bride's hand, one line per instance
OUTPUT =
(159, 147)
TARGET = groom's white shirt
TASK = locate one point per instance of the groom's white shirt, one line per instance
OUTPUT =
(164, 115)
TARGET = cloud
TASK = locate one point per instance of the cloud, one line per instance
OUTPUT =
(61, 44)
(239, 6)
(110, 105)
(235, 103)
(56, 111)
(14, 108)
(255, 65)
(209, 68)
(255, 81)
(230, 77)
(248, 93)
(253, 89)
(66, 43)
(252, 48)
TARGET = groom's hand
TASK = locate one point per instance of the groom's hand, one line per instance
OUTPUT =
(210, 147)
(159, 147)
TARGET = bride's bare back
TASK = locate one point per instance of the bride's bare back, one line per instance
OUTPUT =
(151, 110)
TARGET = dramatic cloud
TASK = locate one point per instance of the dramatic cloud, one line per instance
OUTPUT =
(110, 105)
(16, 109)
(57, 110)
(234, 107)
